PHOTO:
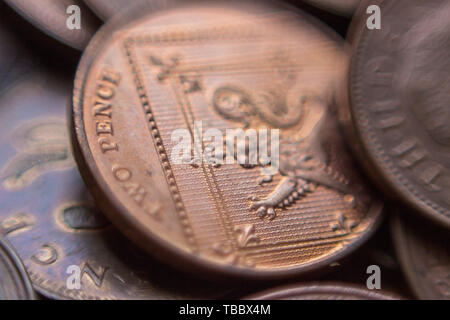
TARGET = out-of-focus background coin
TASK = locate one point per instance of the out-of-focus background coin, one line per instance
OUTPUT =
(53, 16)
(424, 253)
(341, 7)
(14, 281)
(50, 219)
(231, 65)
(323, 291)
(105, 9)
(397, 109)
(378, 252)
(15, 58)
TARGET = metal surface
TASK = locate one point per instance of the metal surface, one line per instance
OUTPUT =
(14, 281)
(341, 7)
(49, 217)
(169, 68)
(397, 108)
(50, 17)
(323, 291)
(106, 9)
(424, 253)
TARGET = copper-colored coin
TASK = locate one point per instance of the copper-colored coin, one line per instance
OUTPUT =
(14, 281)
(51, 17)
(238, 65)
(49, 217)
(378, 251)
(323, 291)
(398, 102)
(341, 7)
(424, 253)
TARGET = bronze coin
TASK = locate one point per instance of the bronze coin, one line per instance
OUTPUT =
(341, 7)
(49, 217)
(233, 65)
(51, 17)
(323, 291)
(14, 281)
(424, 253)
(397, 109)
(378, 251)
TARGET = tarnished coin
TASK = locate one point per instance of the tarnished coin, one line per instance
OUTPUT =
(424, 253)
(341, 7)
(14, 281)
(68, 21)
(48, 216)
(167, 78)
(323, 291)
(398, 102)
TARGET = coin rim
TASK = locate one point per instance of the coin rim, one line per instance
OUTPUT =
(284, 292)
(76, 45)
(334, 7)
(384, 172)
(404, 253)
(112, 206)
(19, 269)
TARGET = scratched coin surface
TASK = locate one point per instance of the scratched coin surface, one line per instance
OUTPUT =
(14, 281)
(341, 7)
(323, 291)
(221, 66)
(424, 253)
(49, 217)
(398, 105)
(51, 17)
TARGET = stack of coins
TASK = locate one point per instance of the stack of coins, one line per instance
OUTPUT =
(225, 150)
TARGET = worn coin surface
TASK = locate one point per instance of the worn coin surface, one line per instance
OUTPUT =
(424, 253)
(14, 281)
(398, 102)
(221, 66)
(341, 7)
(52, 17)
(323, 291)
(50, 219)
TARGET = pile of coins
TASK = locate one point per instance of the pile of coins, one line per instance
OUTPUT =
(117, 179)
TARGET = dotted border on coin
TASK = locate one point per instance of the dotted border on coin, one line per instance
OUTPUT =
(372, 144)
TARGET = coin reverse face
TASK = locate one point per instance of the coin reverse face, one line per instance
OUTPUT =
(50, 219)
(144, 87)
(424, 253)
(399, 102)
(323, 291)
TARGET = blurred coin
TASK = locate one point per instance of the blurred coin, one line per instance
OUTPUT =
(377, 252)
(398, 109)
(15, 58)
(51, 17)
(323, 291)
(105, 9)
(424, 253)
(50, 219)
(14, 281)
(341, 7)
(233, 65)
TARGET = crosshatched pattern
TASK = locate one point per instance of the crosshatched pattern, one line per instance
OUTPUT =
(228, 217)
